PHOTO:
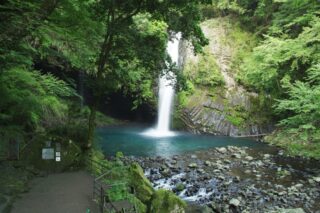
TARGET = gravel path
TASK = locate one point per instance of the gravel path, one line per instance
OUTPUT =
(64, 193)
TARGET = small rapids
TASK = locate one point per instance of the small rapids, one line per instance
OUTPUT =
(186, 194)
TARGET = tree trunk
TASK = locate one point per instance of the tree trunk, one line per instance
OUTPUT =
(97, 89)
(91, 126)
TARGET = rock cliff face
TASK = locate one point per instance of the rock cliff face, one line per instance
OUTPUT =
(211, 117)
(227, 109)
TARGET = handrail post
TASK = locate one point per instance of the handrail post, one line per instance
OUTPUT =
(94, 186)
(101, 199)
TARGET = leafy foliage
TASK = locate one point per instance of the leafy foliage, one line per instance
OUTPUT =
(30, 98)
(302, 108)
(205, 72)
(277, 57)
(66, 36)
(30, 102)
(285, 66)
(282, 64)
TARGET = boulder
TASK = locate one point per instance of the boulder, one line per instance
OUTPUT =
(222, 150)
(236, 155)
(207, 163)
(249, 158)
(164, 201)
(193, 156)
(206, 209)
(316, 179)
(179, 187)
(192, 165)
(266, 156)
(234, 202)
(141, 184)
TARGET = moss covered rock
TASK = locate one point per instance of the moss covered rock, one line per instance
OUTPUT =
(141, 207)
(140, 183)
(180, 187)
(164, 201)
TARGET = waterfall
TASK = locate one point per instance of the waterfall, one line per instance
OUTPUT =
(166, 94)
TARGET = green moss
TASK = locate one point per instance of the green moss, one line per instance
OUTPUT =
(283, 173)
(205, 72)
(117, 192)
(177, 122)
(119, 155)
(141, 207)
(145, 198)
(104, 120)
(241, 41)
(238, 115)
(180, 187)
(183, 98)
(101, 119)
(260, 109)
(236, 121)
(164, 201)
(140, 183)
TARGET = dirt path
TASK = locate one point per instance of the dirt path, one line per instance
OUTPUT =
(64, 193)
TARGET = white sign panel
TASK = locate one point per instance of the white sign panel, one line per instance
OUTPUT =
(48, 153)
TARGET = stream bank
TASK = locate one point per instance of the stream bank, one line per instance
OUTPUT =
(237, 179)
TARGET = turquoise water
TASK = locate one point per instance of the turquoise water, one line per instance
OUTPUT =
(130, 141)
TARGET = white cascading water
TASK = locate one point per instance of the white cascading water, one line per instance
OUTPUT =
(166, 94)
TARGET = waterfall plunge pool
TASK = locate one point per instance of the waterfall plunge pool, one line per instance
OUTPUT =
(131, 141)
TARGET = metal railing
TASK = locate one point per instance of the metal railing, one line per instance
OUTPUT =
(100, 188)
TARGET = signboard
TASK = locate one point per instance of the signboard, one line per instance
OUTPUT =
(48, 153)
(58, 156)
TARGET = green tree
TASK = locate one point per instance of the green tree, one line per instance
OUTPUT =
(124, 38)
(34, 30)
(30, 102)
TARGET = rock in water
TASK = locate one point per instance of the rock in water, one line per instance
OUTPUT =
(236, 155)
(222, 150)
(316, 179)
(249, 158)
(192, 165)
(234, 202)
(207, 163)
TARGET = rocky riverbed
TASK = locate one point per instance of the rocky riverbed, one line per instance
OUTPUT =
(234, 179)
